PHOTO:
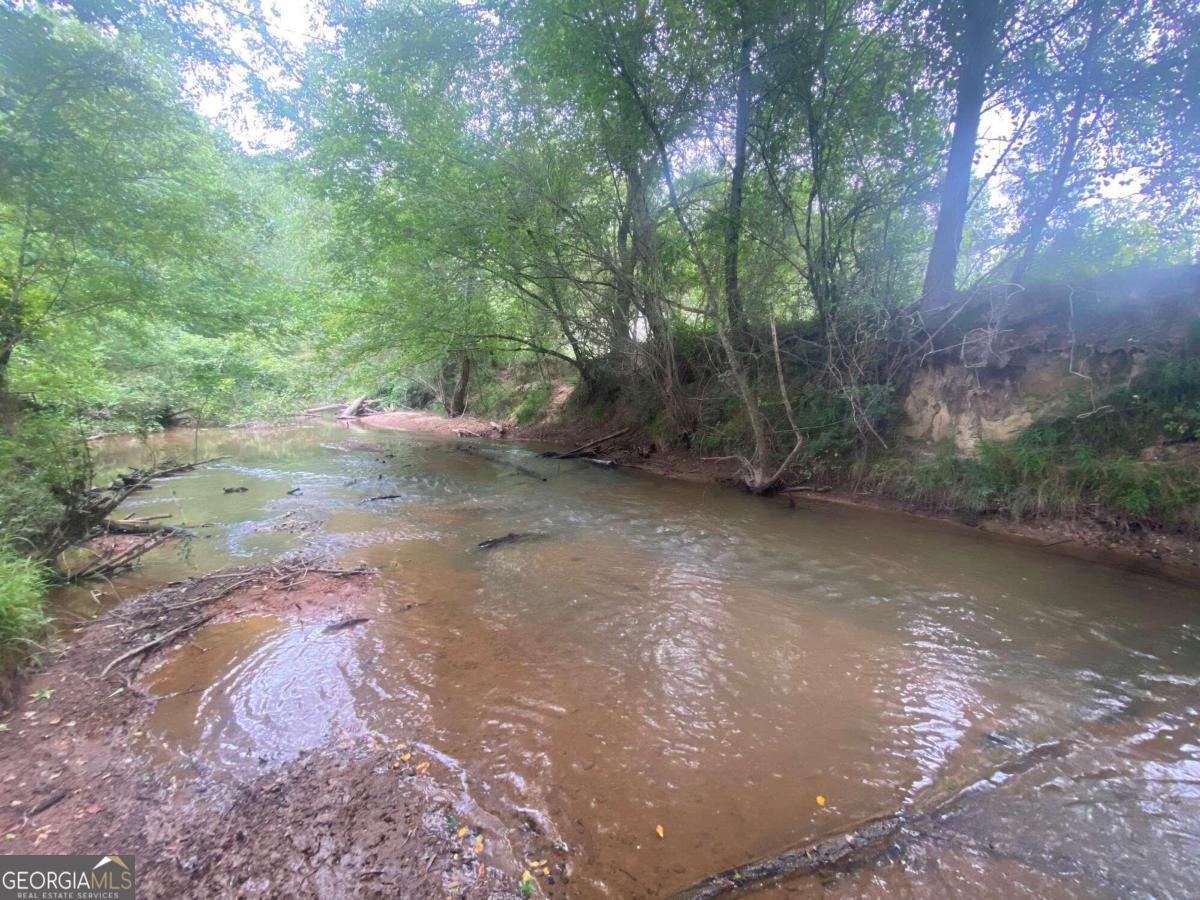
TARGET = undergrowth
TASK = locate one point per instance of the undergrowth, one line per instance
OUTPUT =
(23, 585)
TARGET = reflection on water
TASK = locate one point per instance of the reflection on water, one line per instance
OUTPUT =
(677, 654)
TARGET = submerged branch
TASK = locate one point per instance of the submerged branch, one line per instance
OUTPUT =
(859, 844)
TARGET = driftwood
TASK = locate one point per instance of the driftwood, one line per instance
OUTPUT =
(598, 462)
(157, 642)
(173, 468)
(511, 538)
(236, 490)
(344, 624)
(135, 526)
(385, 497)
(88, 511)
(808, 489)
(354, 408)
(578, 451)
(107, 564)
(325, 408)
(860, 844)
(466, 432)
(359, 406)
(172, 611)
(498, 428)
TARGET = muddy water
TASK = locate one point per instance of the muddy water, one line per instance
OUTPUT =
(663, 653)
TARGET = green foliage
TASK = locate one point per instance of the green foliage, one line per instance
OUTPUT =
(533, 405)
(43, 466)
(1163, 402)
(23, 586)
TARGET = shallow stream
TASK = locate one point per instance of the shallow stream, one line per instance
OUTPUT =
(746, 675)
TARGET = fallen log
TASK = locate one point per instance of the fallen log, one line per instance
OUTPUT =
(571, 454)
(134, 526)
(353, 408)
(179, 468)
(357, 407)
(320, 409)
(805, 488)
(466, 432)
(598, 462)
(861, 843)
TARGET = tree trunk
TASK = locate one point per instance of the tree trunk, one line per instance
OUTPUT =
(458, 402)
(978, 52)
(733, 217)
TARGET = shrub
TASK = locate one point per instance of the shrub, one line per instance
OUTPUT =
(534, 403)
(44, 466)
(23, 586)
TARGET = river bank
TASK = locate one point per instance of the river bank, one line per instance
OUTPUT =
(1169, 553)
(356, 817)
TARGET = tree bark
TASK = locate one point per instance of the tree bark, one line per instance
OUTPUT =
(458, 402)
(978, 52)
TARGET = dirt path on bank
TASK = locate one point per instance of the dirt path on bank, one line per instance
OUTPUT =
(1165, 553)
(355, 818)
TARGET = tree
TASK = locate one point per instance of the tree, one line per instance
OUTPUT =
(111, 193)
(971, 29)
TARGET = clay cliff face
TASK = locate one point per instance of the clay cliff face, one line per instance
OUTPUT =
(1011, 356)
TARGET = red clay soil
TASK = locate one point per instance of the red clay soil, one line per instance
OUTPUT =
(429, 423)
(352, 820)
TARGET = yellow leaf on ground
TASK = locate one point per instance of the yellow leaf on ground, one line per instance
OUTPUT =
(421, 767)
(820, 800)
(545, 870)
(406, 756)
(658, 829)
(525, 876)
(462, 831)
(478, 845)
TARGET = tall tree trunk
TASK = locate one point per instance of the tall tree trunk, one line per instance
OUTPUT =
(758, 478)
(6, 349)
(978, 52)
(458, 402)
(646, 278)
(733, 217)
